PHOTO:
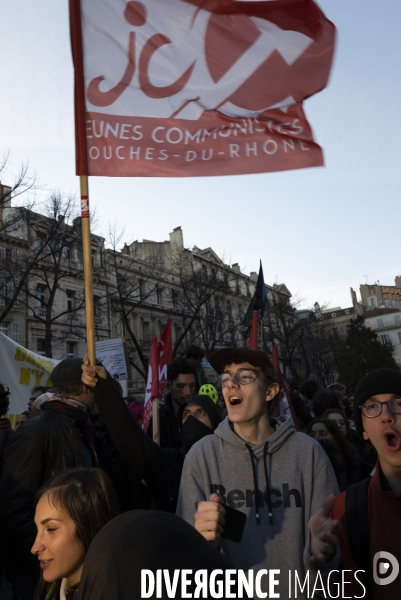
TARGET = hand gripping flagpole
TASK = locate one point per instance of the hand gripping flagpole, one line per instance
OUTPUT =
(87, 254)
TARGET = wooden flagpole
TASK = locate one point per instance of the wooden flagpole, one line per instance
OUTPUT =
(87, 255)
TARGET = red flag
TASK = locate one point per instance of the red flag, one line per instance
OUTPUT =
(165, 348)
(152, 385)
(219, 94)
(253, 335)
(285, 405)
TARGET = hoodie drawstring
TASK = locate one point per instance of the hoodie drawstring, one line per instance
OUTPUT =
(255, 482)
(269, 499)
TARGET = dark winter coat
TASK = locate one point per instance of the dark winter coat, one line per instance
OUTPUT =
(159, 467)
(46, 444)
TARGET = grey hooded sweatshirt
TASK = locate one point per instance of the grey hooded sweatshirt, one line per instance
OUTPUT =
(293, 476)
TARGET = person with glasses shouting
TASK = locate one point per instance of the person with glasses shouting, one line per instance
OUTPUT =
(370, 511)
(279, 479)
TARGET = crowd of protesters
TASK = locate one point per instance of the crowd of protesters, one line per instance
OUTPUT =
(88, 499)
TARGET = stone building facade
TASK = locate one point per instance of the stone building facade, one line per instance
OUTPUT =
(136, 289)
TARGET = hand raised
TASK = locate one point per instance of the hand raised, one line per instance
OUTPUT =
(90, 373)
(323, 533)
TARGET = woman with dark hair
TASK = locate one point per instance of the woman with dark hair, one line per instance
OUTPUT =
(70, 510)
(342, 454)
(357, 448)
(329, 437)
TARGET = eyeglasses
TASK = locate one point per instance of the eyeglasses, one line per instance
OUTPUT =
(242, 377)
(374, 408)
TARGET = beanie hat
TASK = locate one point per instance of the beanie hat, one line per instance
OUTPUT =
(67, 372)
(207, 404)
(380, 381)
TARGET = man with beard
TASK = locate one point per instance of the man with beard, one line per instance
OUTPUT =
(160, 468)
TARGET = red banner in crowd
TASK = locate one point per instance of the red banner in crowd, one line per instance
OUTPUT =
(152, 385)
(165, 349)
(253, 334)
(179, 88)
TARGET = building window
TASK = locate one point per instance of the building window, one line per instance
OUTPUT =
(67, 252)
(380, 323)
(145, 328)
(174, 298)
(39, 244)
(69, 300)
(4, 329)
(177, 331)
(3, 291)
(385, 339)
(141, 285)
(40, 346)
(97, 308)
(397, 319)
(71, 349)
(159, 295)
(373, 302)
(14, 332)
(2, 253)
(40, 296)
(15, 285)
(14, 256)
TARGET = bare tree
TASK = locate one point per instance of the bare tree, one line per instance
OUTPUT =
(282, 329)
(21, 182)
(202, 301)
(133, 283)
(325, 344)
(56, 236)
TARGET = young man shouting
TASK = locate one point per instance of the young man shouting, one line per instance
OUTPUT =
(261, 466)
(370, 514)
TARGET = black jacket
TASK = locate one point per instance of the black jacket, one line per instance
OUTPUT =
(159, 467)
(170, 436)
(44, 445)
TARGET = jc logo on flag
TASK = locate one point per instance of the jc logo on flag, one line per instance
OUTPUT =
(197, 87)
(206, 83)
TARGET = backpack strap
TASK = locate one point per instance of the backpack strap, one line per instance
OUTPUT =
(357, 519)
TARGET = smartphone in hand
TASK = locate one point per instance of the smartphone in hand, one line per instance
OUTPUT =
(235, 524)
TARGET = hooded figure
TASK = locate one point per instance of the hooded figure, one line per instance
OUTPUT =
(198, 417)
(140, 540)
